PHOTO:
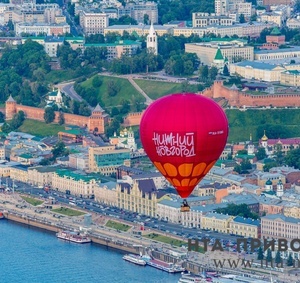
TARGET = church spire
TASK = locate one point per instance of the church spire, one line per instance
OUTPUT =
(152, 40)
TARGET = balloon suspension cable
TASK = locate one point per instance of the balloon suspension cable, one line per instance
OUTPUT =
(185, 206)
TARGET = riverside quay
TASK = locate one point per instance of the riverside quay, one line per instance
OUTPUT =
(248, 245)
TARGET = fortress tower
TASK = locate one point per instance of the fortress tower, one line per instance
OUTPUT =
(98, 120)
(10, 108)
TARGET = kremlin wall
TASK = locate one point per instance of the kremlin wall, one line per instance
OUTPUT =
(239, 99)
(99, 119)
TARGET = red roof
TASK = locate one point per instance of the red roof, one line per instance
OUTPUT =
(291, 141)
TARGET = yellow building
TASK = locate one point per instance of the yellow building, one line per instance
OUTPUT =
(106, 193)
(257, 70)
(41, 175)
(290, 77)
(141, 197)
(216, 222)
(106, 159)
(280, 226)
(231, 49)
(292, 211)
(73, 183)
(245, 227)
(19, 173)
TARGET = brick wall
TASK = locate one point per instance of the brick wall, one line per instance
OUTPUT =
(239, 99)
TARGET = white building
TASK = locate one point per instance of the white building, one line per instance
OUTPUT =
(169, 210)
(41, 28)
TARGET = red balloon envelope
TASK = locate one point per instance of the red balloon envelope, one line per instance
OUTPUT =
(184, 134)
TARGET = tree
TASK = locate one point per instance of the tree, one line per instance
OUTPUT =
(261, 153)
(2, 119)
(61, 118)
(293, 158)
(242, 18)
(96, 82)
(112, 88)
(260, 254)
(269, 255)
(278, 258)
(225, 70)
(59, 150)
(212, 73)
(290, 260)
(203, 73)
(49, 115)
(146, 19)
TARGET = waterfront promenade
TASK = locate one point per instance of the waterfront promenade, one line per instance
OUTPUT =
(16, 209)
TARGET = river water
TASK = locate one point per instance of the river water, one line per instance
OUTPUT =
(31, 255)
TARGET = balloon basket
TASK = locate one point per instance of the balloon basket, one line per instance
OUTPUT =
(185, 207)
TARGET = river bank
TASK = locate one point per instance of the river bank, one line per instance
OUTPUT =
(14, 208)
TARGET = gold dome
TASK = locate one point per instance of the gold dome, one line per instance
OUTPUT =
(264, 138)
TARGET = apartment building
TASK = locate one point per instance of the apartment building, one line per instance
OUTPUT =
(93, 22)
(106, 159)
(206, 19)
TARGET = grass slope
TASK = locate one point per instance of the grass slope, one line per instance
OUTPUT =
(32, 201)
(41, 129)
(157, 89)
(126, 91)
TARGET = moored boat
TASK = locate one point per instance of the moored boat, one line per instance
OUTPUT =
(191, 278)
(134, 259)
(1, 215)
(165, 266)
(74, 237)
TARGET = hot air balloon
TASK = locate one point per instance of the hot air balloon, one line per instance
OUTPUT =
(183, 135)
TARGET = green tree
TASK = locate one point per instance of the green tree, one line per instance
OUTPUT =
(260, 254)
(59, 150)
(269, 255)
(225, 70)
(261, 153)
(6, 128)
(146, 19)
(112, 88)
(290, 260)
(2, 117)
(242, 18)
(278, 258)
(49, 115)
(61, 118)
(97, 81)
(293, 158)
(203, 73)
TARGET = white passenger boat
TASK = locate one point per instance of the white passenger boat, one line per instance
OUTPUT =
(134, 259)
(74, 237)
